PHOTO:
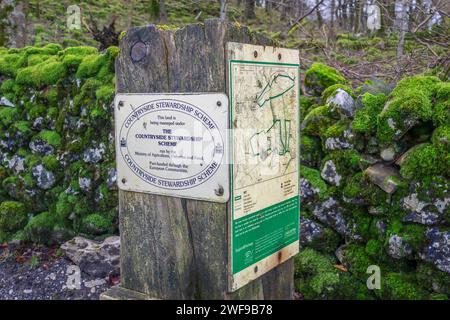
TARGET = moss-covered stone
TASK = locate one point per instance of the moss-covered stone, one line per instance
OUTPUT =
(328, 92)
(318, 278)
(50, 137)
(13, 216)
(424, 160)
(314, 178)
(48, 72)
(310, 150)
(96, 224)
(320, 76)
(365, 120)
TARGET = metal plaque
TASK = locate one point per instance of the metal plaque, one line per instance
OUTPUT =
(264, 89)
(173, 144)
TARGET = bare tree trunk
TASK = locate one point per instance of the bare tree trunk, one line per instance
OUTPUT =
(345, 22)
(249, 9)
(332, 12)
(358, 12)
(319, 15)
(162, 11)
(223, 9)
(403, 20)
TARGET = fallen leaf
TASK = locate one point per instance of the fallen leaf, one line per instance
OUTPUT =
(340, 267)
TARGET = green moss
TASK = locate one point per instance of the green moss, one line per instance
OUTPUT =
(356, 260)
(433, 279)
(400, 286)
(45, 73)
(374, 248)
(90, 66)
(316, 277)
(347, 162)
(64, 206)
(36, 59)
(51, 95)
(8, 115)
(424, 160)
(425, 84)
(318, 120)
(13, 216)
(39, 227)
(23, 127)
(49, 49)
(313, 176)
(414, 235)
(320, 76)
(105, 93)
(401, 113)
(51, 137)
(365, 120)
(441, 138)
(306, 104)
(11, 63)
(122, 34)
(96, 224)
(7, 86)
(311, 150)
(50, 162)
(441, 113)
(79, 51)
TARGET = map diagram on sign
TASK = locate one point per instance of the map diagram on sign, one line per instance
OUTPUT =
(265, 117)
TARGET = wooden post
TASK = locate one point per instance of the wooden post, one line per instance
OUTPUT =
(174, 248)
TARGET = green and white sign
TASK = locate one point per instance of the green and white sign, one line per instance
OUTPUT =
(264, 118)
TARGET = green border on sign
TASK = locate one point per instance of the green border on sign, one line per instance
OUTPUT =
(232, 149)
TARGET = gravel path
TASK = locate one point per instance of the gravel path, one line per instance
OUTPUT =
(36, 273)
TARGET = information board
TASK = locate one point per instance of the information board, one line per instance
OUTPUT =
(173, 144)
(263, 84)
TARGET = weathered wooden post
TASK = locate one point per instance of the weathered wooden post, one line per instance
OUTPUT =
(178, 247)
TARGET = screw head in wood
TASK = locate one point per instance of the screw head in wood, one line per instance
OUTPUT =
(138, 51)
(219, 191)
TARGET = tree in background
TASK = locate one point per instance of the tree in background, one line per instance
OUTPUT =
(249, 10)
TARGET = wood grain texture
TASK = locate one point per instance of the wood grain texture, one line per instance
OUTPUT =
(175, 248)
